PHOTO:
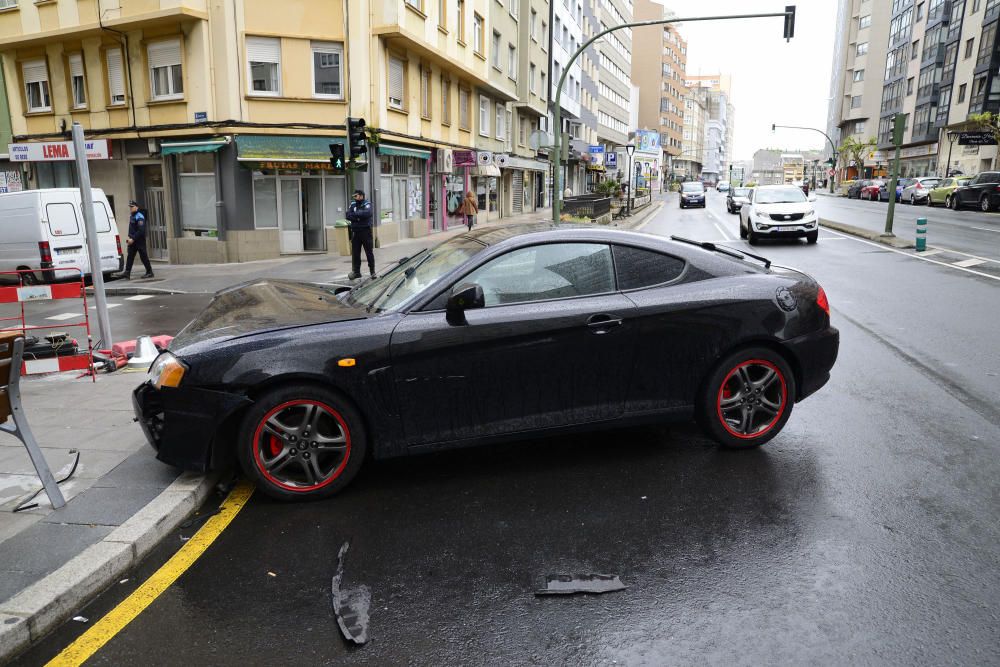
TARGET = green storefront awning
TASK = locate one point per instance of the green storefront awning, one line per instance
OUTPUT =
(179, 147)
(403, 151)
(260, 147)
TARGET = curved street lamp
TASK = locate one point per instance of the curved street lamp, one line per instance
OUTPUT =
(833, 149)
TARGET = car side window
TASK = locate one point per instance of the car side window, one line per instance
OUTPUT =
(639, 268)
(549, 271)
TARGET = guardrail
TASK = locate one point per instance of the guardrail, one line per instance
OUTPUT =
(589, 206)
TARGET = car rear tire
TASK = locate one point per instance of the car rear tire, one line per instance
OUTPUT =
(301, 442)
(812, 237)
(748, 398)
(984, 204)
(911, 199)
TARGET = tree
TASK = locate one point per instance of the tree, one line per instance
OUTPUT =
(987, 121)
(856, 150)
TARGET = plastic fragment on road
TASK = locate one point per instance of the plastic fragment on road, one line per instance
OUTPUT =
(594, 584)
(80, 619)
(350, 606)
(271, 574)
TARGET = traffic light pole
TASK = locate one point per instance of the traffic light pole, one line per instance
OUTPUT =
(556, 156)
(833, 148)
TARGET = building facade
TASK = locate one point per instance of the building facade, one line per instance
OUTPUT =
(220, 115)
(688, 164)
(719, 125)
(614, 67)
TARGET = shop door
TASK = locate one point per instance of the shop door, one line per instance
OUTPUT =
(399, 206)
(517, 205)
(290, 213)
(149, 180)
(314, 233)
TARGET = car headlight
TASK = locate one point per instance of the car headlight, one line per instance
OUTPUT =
(166, 371)
(810, 212)
(762, 215)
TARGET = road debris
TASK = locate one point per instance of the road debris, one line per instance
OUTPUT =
(567, 584)
(80, 619)
(350, 605)
(271, 574)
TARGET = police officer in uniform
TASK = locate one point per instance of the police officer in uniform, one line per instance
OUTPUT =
(136, 241)
(359, 214)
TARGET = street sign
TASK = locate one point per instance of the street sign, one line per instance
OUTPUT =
(985, 138)
(611, 160)
(464, 158)
(201, 116)
(829, 172)
(57, 151)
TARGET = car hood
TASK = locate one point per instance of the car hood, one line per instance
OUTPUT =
(790, 207)
(264, 305)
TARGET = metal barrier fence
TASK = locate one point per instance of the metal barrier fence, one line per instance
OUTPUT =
(590, 206)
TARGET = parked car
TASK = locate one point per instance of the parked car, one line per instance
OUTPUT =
(883, 191)
(736, 198)
(779, 211)
(919, 189)
(692, 194)
(983, 191)
(854, 190)
(941, 193)
(43, 230)
(723, 187)
(537, 329)
(870, 191)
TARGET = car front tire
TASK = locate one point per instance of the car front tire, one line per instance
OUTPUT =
(743, 230)
(748, 398)
(752, 237)
(812, 237)
(302, 442)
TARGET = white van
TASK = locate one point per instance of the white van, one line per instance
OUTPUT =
(44, 229)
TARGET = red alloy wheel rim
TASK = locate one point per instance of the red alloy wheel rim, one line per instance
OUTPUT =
(751, 387)
(304, 445)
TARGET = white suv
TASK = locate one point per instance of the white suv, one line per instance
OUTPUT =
(778, 211)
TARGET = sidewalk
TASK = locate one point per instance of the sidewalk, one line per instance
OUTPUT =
(120, 501)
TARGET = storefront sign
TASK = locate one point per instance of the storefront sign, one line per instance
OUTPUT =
(918, 151)
(985, 138)
(298, 166)
(58, 151)
(647, 140)
(10, 181)
(464, 158)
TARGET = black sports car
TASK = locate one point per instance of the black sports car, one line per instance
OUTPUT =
(496, 334)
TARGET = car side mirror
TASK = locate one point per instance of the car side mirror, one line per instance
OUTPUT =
(464, 297)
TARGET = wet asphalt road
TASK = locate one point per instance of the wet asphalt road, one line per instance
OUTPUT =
(865, 533)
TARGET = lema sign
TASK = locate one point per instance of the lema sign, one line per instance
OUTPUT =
(57, 151)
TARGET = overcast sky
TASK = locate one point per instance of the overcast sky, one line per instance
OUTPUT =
(773, 81)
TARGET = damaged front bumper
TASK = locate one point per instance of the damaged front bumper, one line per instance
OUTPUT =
(187, 426)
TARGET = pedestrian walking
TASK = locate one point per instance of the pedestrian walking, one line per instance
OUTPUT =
(469, 208)
(359, 214)
(136, 241)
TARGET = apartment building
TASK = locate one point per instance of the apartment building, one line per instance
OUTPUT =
(218, 116)
(935, 62)
(688, 164)
(568, 34)
(614, 53)
(662, 90)
(719, 124)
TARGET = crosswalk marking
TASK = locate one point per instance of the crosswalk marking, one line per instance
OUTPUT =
(63, 316)
(140, 297)
(930, 252)
(110, 306)
(966, 263)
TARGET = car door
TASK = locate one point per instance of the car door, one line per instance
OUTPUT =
(970, 194)
(553, 346)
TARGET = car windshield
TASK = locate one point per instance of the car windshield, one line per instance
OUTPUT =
(780, 196)
(413, 275)
(692, 187)
(741, 192)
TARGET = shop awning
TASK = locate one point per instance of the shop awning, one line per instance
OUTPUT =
(403, 151)
(259, 147)
(485, 170)
(515, 162)
(178, 147)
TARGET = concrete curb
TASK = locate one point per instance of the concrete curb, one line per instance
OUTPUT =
(893, 241)
(38, 609)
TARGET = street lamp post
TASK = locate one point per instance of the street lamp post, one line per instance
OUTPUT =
(788, 15)
(833, 149)
(951, 142)
(630, 149)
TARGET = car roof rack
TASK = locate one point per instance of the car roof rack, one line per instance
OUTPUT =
(725, 250)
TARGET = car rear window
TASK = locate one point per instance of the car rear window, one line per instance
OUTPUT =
(102, 217)
(637, 268)
(62, 219)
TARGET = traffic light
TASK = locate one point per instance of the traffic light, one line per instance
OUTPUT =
(789, 22)
(337, 161)
(356, 138)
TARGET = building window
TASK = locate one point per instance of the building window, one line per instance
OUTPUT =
(196, 180)
(165, 76)
(512, 61)
(425, 91)
(909, 86)
(397, 83)
(543, 38)
(500, 121)
(531, 78)
(264, 63)
(464, 109)
(36, 86)
(859, 75)
(920, 11)
(328, 70)
(856, 102)
(477, 37)
(533, 25)
(116, 78)
(445, 101)
(77, 85)
(986, 44)
(443, 14)
(915, 51)
(495, 46)
(862, 48)
(864, 22)
(460, 21)
(969, 46)
(514, 8)
(484, 116)
(859, 127)
(961, 93)
(416, 4)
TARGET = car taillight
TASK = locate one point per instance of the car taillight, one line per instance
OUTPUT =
(822, 301)
(45, 252)
(118, 244)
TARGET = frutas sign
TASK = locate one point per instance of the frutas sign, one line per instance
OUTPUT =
(57, 151)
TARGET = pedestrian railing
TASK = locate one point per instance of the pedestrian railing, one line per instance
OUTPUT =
(587, 206)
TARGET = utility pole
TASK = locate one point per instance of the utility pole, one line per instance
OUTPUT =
(898, 123)
(789, 30)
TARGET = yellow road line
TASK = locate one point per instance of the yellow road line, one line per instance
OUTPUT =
(115, 621)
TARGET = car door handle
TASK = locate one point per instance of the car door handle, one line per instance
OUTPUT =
(601, 324)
